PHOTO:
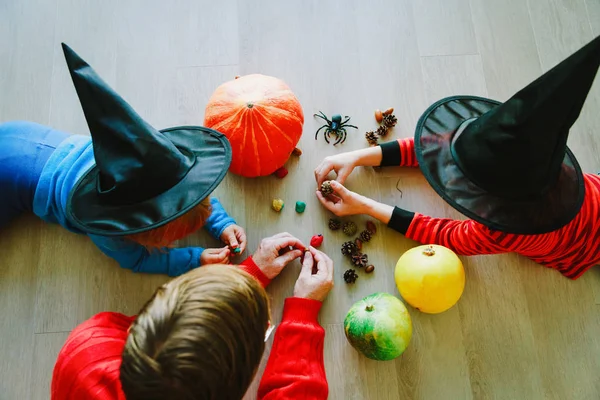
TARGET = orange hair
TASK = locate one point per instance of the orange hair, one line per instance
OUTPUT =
(179, 228)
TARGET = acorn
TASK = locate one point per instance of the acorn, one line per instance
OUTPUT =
(388, 111)
(358, 244)
(297, 152)
(378, 116)
(369, 268)
(371, 227)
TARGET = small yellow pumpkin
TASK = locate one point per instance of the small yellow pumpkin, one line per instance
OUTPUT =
(430, 278)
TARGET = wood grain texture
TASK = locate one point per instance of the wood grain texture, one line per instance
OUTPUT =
(520, 331)
(444, 27)
(506, 45)
(20, 244)
(46, 347)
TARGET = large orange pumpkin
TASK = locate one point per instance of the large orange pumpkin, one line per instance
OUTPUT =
(262, 119)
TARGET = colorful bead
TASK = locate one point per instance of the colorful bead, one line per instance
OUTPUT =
(316, 241)
(277, 205)
(300, 207)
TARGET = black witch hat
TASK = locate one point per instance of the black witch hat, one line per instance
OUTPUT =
(507, 165)
(143, 178)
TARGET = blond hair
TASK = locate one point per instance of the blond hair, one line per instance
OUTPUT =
(201, 336)
(179, 228)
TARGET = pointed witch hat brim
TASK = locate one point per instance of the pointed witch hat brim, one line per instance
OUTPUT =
(545, 213)
(143, 178)
(507, 165)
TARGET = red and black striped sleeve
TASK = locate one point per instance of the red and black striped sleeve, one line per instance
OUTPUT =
(399, 153)
(467, 238)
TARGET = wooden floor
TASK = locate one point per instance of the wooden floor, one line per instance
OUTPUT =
(520, 331)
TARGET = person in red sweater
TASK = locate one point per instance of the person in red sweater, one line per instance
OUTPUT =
(202, 336)
(505, 166)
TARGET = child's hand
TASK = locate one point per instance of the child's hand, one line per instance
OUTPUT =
(343, 201)
(215, 256)
(235, 237)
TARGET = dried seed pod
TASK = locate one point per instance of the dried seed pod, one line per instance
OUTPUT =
(378, 116)
(348, 248)
(350, 276)
(371, 138)
(349, 228)
(369, 268)
(326, 188)
(388, 111)
(335, 224)
(390, 120)
(297, 152)
(358, 244)
(360, 260)
(365, 236)
(371, 227)
(382, 131)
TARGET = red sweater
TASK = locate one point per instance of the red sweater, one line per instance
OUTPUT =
(572, 249)
(88, 364)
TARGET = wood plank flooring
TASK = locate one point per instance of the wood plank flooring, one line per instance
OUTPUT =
(520, 331)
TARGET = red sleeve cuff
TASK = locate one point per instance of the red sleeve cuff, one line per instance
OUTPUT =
(250, 267)
(302, 310)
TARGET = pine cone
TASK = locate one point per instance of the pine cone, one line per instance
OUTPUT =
(348, 248)
(360, 260)
(334, 224)
(326, 188)
(382, 130)
(349, 228)
(350, 276)
(365, 236)
(371, 138)
(390, 120)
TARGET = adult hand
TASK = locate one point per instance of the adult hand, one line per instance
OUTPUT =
(343, 201)
(277, 251)
(343, 165)
(215, 256)
(315, 285)
(235, 237)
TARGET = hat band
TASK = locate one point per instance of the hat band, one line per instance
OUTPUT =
(459, 131)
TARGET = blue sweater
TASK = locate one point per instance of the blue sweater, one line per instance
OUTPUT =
(73, 158)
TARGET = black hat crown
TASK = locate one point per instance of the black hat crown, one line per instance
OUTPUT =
(516, 150)
(135, 161)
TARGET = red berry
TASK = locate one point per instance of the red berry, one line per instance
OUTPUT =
(281, 173)
(316, 240)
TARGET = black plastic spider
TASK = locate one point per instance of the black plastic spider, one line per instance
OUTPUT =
(335, 126)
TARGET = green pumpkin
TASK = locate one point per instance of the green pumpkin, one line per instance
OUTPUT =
(379, 326)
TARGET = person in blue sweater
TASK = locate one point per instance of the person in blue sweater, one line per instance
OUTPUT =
(132, 189)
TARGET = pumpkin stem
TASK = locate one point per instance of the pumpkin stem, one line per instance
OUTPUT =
(250, 105)
(369, 308)
(429, 251)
